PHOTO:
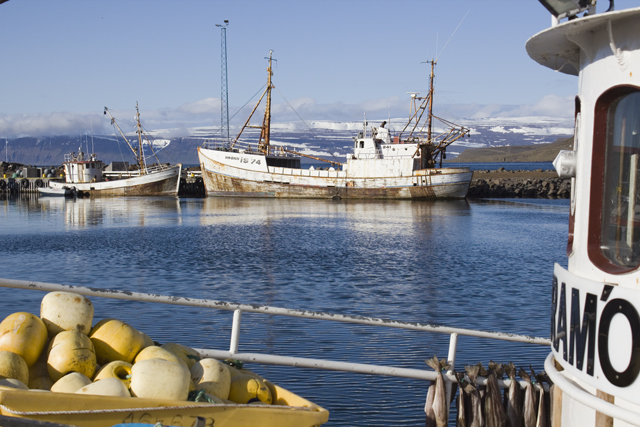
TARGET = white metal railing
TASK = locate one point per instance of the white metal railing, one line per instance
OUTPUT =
(121, 174)
(238, 309)
(581, 395)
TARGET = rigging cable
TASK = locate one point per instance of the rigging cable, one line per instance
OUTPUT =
(454, 31)
(118, 142)
(240, 109)
(305, 123)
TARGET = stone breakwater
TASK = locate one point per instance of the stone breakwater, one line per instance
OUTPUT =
(519, 184)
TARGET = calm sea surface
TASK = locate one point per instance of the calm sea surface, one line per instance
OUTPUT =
(482, 264)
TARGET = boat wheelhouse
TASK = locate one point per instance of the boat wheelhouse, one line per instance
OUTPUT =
(595, 325)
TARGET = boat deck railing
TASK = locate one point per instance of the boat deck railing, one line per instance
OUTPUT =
(567, 386)
(133, 173)
(239, 309)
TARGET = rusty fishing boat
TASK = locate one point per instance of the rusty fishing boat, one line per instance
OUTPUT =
(379, 167)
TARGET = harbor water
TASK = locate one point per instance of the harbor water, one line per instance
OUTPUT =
(481, 264)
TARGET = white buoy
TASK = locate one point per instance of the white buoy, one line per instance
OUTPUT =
(106, 387)
(70, 383)
(211, 376)
(160, 379)
(66, 311)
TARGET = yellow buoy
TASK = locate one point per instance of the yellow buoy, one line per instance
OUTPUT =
(160, 379)
(71, 351)
(13, 365)
(66, 311)
(115, 340)
(187, 354)
(106, 387)
(234, 372)
(212, 376)
(247, 389)
(116, 369)
(39, 374)
(40, 383)
(70, 383)
(155, 352)
(24, 334)
(148, 342)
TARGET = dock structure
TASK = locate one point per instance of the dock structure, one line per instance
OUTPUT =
(24, 185)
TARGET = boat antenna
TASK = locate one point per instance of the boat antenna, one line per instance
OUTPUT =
(224, 89)
(93, 148)
(454, 31)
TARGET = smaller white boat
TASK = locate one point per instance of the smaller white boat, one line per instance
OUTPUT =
(56, 191)
(84, 172)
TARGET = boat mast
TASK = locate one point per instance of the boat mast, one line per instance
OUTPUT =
(140, 156)
(430, 117)
(135, 153)
(265, 134)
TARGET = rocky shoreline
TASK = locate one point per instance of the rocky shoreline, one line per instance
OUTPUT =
(502, 183)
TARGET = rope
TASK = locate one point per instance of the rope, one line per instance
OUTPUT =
(250, 99)
(302, 120)
(234, 362)
(199, 396)
(118, 142)
(121, 410)
(305, 123)
(107, 411)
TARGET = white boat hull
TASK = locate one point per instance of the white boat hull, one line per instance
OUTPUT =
(247, 175)
(161, 183)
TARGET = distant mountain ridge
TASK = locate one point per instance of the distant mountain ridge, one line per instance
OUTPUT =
(518, 153)
(329, 140)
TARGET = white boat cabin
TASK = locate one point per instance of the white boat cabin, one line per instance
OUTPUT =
(379, 145)
(78, 169)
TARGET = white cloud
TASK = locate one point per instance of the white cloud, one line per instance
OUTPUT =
(550, 106)
(12, 125)
(182, 120)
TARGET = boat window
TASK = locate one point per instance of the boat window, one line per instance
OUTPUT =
(614, 229)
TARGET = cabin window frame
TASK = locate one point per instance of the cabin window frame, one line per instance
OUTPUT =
(604, 128)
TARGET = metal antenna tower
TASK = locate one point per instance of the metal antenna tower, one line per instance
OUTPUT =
(224, 94)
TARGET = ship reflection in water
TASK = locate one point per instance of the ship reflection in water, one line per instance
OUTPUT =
(477, 264)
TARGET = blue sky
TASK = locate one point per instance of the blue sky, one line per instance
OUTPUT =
(63, 61)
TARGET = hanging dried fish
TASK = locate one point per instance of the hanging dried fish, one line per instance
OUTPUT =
(529, 410)
(475, 416)
(513, 394)
(482, 372)
(544, 403)
(428, 405)
(462, 404)
(439, 407)
(494, 413)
